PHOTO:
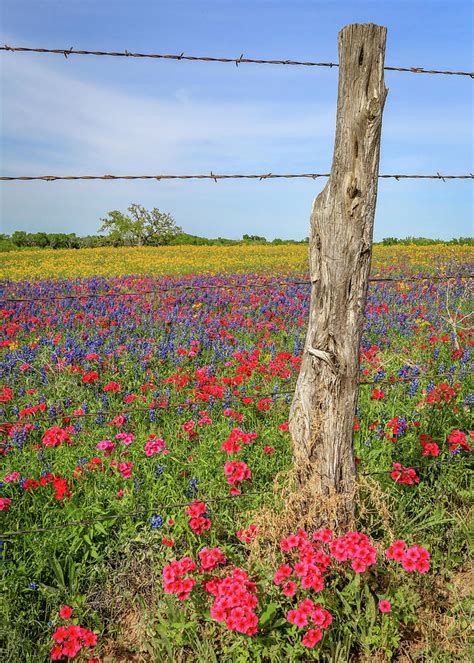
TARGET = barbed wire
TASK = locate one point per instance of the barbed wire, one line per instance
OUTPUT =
(156, 407)
(66, 52)
(216, 177)
(258, 284)
(149, 408)
(206, 500)
(129, 514)
(418, 467)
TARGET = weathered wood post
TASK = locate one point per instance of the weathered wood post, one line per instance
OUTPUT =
(340, 247)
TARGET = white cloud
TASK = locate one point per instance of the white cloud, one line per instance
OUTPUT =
(94, 127)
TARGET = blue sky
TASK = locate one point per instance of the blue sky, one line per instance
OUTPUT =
(88, 115)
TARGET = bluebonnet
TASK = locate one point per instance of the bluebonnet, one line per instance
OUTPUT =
(465, 355)
(156, 521)
(193, 488)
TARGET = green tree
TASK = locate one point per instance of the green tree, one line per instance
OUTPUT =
(20, 238)
(140, 227)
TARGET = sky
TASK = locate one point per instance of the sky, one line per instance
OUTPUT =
(100, 115)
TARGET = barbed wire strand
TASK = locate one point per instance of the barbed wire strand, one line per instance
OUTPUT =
(216, 177)
(149, 408)
(257, 395)
(66, 52)
(418, 468)
(130, 514)
(260, 284)
(205, 500)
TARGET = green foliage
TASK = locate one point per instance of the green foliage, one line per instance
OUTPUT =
(140, 227)
(426, 241)
(154, 228)
(254, 238)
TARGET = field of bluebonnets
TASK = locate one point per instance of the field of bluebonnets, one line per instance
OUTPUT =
(145, 460)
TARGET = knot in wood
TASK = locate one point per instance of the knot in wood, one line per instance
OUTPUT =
(352, 189)
(373, 109)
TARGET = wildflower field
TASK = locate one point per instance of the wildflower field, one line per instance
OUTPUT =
(146, 484)
(179, 260)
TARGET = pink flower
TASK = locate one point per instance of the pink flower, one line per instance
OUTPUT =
(154, 445)
(289, 589)
(385, 606)
(298, 618)
(5, 503)
(125, 469)
(14, 476)
(105, 445)
(127, 438)
(312, 637)
(412, 559)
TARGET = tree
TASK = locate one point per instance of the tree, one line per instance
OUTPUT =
(20, 238)
(253, 238)
(140, 227)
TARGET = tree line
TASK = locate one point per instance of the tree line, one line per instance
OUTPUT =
(142, 227)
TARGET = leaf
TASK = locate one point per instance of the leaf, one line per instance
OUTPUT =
(58, 572)
(370, 609)
(268, 614)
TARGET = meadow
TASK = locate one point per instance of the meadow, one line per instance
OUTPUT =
(146, 469)
(39, 264)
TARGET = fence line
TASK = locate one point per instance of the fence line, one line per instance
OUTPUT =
(418, 467)
(205, 500)
(258, 284)
(148, 408)
(240, 60)
(256, 395)
(128, 514)
(216, 177)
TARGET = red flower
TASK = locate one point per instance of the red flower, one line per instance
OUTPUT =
(405, 475)
(93, 376)
(65, 612)
(112, 386)
(377, 395)
(55, 436)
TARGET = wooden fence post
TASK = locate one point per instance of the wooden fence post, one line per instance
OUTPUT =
(322, 413)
